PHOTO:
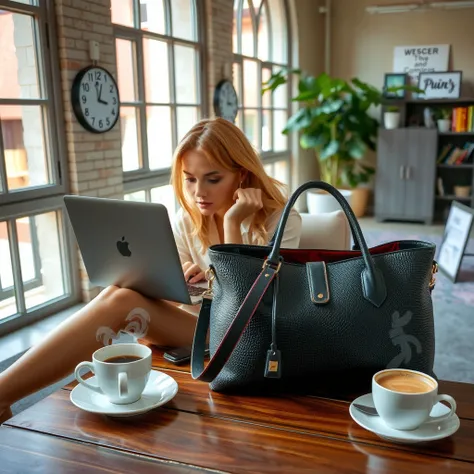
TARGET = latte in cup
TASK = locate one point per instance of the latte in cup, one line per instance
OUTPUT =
(404, 398)
(405, 382)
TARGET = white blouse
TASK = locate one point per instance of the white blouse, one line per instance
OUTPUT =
(190, 248)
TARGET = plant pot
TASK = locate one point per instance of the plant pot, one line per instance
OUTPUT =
(444, 125)
(391, 120)
(320, 202)
(462, 191)
(359, 201)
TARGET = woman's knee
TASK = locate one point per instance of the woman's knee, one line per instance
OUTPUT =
(118, 298)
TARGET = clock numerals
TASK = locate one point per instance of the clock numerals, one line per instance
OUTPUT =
(96, 99)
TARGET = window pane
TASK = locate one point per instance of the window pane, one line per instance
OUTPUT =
(183, 19)
(131, 159)
(152, 16)
(157, 86)
(267, 97)
(160, 148)
(18, 62)
(126, 70)
(280, 141)
(251, 85)
(248, 47)
(40, 257)
(122, 12)
(236, 73)
(136, 196)
(279, 32)
(235, 38)
(7, 297)
(263, 36)
(252, 129)
(280, 95)
(23, 140)
(165, 195)
(186, 82)
(266, 131)
(186, 118)
(281, 173)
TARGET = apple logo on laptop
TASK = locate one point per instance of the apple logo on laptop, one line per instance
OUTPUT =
(122, 246)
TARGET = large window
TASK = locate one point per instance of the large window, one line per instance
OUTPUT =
(159, 62)
(36, 269)
(261, 46)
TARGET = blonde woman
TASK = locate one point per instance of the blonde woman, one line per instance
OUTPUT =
(225, 197)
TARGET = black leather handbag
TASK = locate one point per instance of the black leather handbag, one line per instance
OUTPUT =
(279, 318)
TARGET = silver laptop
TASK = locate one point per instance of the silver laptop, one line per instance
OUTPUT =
(131, 245)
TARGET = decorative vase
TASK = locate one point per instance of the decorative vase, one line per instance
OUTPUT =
(462, 191)
(359, 201)
(428, 118)
(320, 202)
(444, 125)
(391, 120)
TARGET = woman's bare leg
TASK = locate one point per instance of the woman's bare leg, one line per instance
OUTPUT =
(92, 327)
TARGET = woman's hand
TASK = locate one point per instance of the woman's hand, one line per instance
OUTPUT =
(192, 273)
(247, 202)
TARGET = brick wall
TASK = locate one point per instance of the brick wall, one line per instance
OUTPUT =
(219, 17)
(95, 162)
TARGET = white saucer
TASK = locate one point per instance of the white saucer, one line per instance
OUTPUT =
(160, 389)
(427, 432)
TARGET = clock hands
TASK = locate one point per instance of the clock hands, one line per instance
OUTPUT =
(99, 94)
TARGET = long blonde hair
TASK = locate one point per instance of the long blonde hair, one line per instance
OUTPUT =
(225, 145)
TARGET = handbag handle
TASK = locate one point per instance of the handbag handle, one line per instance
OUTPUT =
(373, 282)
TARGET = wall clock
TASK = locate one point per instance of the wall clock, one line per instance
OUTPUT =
(95, 99)
(226, 104)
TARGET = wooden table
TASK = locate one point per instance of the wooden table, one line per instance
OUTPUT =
(204, 431)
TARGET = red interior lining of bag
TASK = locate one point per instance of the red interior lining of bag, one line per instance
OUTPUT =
(308, 255)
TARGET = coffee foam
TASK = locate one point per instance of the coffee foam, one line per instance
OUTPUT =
(405, 382)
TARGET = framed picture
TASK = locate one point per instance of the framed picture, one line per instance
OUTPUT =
(395, 80)
(440, 85)
(455, 239)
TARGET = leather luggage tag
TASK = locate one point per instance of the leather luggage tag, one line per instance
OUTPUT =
(318, 282)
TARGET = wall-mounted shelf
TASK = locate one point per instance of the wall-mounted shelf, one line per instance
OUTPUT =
(468, 166)
(452, 197)
(453, 134)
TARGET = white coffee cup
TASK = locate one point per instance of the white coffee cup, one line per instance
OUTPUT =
(404, 398)
(120, 382)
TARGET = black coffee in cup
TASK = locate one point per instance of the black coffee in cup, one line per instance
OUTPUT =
(122, 359)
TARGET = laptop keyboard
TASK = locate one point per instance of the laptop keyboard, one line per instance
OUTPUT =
(195, 290)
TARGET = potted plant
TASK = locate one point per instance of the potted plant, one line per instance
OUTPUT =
(391, 117)
(443, 119)
(334, 121)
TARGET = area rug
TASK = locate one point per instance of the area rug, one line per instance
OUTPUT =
(453, 305)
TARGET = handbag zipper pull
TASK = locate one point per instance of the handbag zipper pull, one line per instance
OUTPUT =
(273, 364)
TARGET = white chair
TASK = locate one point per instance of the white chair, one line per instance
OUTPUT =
(325, 231)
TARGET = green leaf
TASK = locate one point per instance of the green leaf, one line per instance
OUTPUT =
(356, 148)
(329, 150)
(331, 107)
(297, 121)
(312, 140)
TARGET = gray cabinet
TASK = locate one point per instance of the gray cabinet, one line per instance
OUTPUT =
(406, 171)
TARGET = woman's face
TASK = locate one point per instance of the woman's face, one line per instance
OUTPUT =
(211, 188)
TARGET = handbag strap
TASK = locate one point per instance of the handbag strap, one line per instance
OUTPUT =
(373, 282)
(234, 332)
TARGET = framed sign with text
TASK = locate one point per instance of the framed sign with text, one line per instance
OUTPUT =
(440, 85)
(455, 239)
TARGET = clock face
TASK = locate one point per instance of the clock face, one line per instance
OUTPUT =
(95, 99)
(226, 104)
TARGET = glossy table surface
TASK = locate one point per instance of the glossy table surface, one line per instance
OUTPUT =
(201, 430)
